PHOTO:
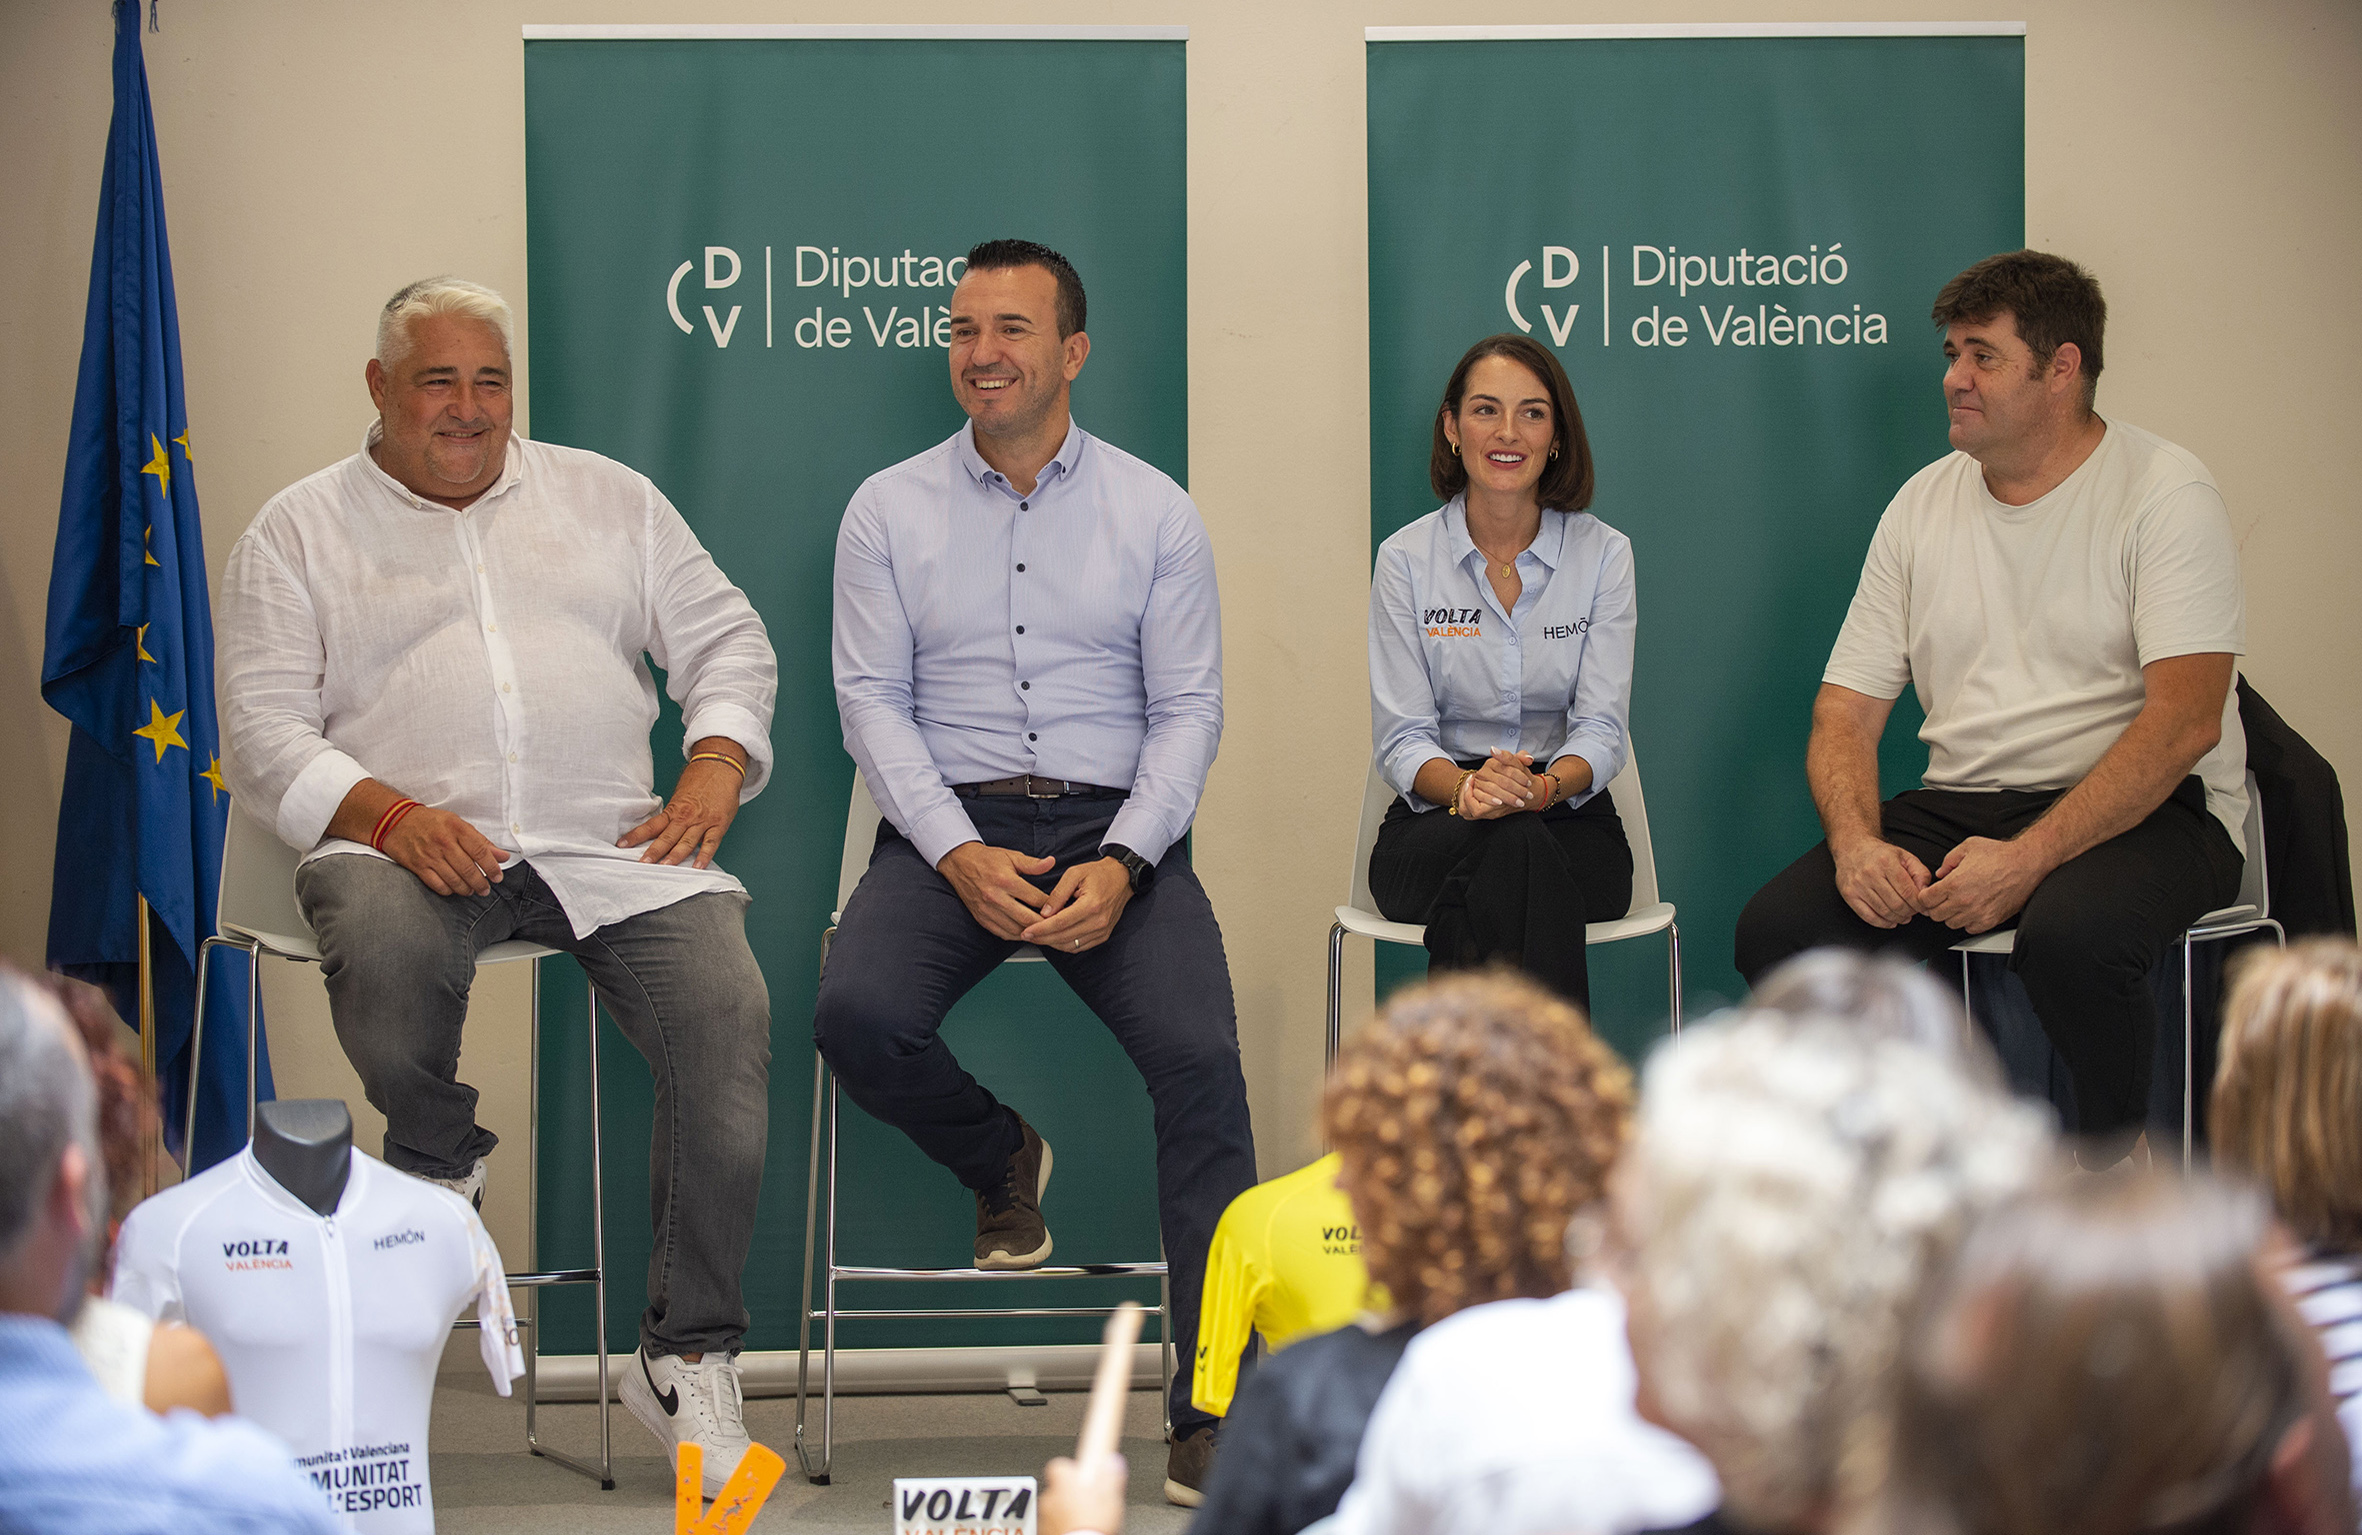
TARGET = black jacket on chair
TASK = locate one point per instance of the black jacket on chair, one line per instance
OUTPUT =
(2305, 846)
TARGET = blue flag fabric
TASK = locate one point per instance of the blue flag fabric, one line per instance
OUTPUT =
(129, 652)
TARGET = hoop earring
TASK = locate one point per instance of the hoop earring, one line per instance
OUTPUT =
(1455, 448)
(1554, 453)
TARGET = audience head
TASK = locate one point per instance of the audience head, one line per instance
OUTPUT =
(1888, 996)
(126, 1114)
(2287, 1108)
(1473, 1118)
(1792, 1177)
(53, 1184)
(2112, 1356)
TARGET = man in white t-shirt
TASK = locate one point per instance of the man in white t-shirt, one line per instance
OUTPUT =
(2064, 593)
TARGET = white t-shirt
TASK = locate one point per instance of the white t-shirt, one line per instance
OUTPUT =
(2025, 628)
(330, 1327)
(1516, 1418)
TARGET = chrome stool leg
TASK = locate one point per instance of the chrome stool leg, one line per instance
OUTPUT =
(818, 1475)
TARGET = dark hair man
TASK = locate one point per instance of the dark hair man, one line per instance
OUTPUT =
(2064, 593)
(1028, 651)
(433, 681)
(71, 1459)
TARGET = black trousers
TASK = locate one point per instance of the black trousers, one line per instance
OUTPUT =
(906, 948)
(2087, 938)
(1518, 889)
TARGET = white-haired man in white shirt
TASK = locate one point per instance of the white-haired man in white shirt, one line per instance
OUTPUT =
(433, 677)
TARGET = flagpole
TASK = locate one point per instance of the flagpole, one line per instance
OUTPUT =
(151, 1152)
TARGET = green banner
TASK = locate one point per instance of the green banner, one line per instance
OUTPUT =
(1732, 243)
(742, 250)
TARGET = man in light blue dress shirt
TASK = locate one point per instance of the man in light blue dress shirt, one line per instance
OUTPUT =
(71, 1458)
(1028, 657)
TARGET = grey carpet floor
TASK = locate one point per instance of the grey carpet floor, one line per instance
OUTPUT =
(487, 1483)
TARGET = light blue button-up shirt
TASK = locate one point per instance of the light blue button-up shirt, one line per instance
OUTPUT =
(1073, 632)
(74, 1462)
(1453, 675)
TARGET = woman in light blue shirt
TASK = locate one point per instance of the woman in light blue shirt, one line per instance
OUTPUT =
(1501, 629)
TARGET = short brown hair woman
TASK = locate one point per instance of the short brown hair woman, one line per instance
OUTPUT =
(1501, 630)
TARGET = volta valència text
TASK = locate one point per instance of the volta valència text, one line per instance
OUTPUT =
(1766, 322)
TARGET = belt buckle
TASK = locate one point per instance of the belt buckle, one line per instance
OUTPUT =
(1030, 781)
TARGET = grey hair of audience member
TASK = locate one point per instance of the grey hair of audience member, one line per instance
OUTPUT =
(2114, 1356)
(1877, 992)
(1790, 1179)
(47, 1103)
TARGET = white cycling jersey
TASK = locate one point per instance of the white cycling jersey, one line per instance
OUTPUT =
(331, 1327)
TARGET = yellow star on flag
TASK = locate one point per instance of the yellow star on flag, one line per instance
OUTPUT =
(183, 440)
(160, 466)
(145, 534)
(213, 776)
(142, 642)
(163, 729)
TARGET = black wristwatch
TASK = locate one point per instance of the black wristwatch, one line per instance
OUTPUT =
(1141, 870)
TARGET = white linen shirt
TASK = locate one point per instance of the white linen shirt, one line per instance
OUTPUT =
(1454, 675)
(487, 662)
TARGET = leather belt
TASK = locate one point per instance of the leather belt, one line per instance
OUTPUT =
(1030, 787)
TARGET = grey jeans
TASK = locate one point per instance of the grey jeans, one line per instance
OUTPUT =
(681, 983)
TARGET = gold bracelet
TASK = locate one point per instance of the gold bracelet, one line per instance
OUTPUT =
(1454, 801)
(719, 757)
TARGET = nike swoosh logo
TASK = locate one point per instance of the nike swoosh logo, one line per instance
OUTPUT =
(669, 1398)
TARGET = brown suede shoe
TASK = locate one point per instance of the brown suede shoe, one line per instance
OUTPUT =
(1010, 1232)
(1189, 1465)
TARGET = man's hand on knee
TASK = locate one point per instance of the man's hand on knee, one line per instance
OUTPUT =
(1982, 884)
(447, 853)
(1881, 882)
(992, 883)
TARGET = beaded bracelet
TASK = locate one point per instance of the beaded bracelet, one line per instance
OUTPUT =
(719, 757)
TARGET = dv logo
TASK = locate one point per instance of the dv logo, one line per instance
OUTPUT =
(715, 256)
(1560, 267)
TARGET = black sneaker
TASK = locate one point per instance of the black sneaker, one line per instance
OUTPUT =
(1189, 1465)
(1010, 1232)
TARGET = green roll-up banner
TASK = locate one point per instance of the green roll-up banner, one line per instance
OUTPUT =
(1731, 239)
(742, 244)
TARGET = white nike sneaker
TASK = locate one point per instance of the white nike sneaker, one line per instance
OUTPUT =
(684, 1403)
(469, 1188)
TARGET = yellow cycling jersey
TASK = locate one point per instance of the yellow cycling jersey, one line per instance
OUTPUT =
(1286, 1262)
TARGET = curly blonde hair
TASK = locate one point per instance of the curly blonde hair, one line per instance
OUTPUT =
(1473, 1118)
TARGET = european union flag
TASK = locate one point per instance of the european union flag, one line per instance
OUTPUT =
(129, 653)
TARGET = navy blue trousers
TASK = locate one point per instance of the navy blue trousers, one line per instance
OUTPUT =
(906, 949)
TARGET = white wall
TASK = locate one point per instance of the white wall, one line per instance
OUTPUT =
(2205, 159)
